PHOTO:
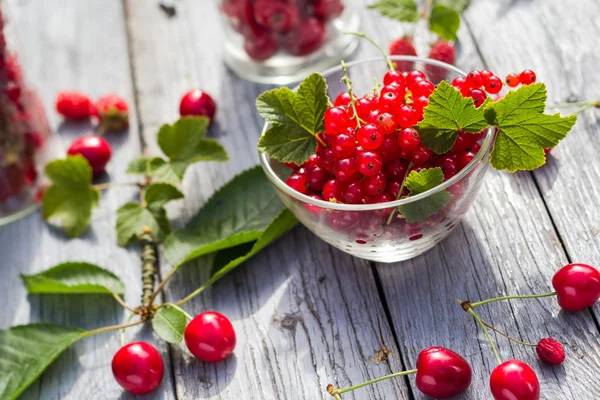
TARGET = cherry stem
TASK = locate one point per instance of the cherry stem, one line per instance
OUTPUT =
(112, 328)
(335, 392)
(108, 185)
(122, 303)
(507, 336)
(427, 9)
(123, 329)
(194, 293)
(149, 269)
(389, 62)
(489, 337)
(175, 306)
(389, 221)
(162, 284)
(533, 296)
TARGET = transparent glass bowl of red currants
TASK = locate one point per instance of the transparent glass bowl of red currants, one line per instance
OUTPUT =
(282, 41)
(362, 230)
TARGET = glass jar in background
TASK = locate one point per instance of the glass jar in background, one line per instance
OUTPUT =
(283, 41)
(24, 136)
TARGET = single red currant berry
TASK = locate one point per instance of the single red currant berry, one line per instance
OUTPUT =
(514, 380)
(399, 89)
(382, 198)
(307, 37)
(316, 177)
(422, 88)
(336, 120)
(197, 103)
(386, 123)
(478, 97)
(326, 160)
(464, 159)
(486, 75)
(298, 183)
(448, 166)
(138, 367)
(312, 161)
(389, 150)
(527, 77)
(459, 83)
(474, 80)
(344, 145)
(407, 116)
(346, 169)
(577, 286)
(493, 85)
(442, 374)
(210, 337)
(260, 45)
(396, 169)
(409, 139)
(343, 99)
(420, 103)
(94, 149)
(278, 16)
(421, 155)
(332, 191)
(393, 187)
(369, 163)
(364, 106)
(314, 210)
(413, 77)
(390, 101)
(369, 137)
(352, 193)
(393, 77)
(550, 351)
(512, 80)
(374, 185)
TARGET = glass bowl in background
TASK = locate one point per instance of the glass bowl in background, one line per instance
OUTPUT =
(362, 230)
(261, 46)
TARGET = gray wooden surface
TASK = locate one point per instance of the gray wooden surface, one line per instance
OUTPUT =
(305, 313)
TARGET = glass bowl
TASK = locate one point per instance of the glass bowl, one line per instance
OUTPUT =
(362, 230)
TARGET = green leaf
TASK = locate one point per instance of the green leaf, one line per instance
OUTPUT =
(444, 21)
(237, 213)
(184, 144)
(139, 165)
(447, 113)
(169, 323)
(159, 194)
(524, 131)
(73, 278)
(68, 202)
(400, 10)
(420, 182)
(133, 217)
(457, 5)
(27, 350)
(294, 119)
(226, 260)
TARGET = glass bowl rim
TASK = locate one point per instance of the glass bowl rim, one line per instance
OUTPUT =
(280, 184)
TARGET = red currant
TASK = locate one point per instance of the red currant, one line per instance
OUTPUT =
(94, 149)
(420, 103)
(298, 183)
(486, 75)
(389, 150)
(493, 85)
(314, 210)
(513, 380)
(478, 97)
(382, 198)
(407, 116)
(327, 159)
(278, 16)
(409, 139)
(374, 185)
(527, 77)
(390, 101)
(316, 177)
(442, 374)
(336, 120)
(364, 106)
(396, 169)
(332, 190)
(327, 9)
(393, 187)
(422, 88)
(577, 286)
(344, 145)
(198, 103)
(421, 155)
(369, 163)
(448, 166)
(138, 367)
(464, 159)
(413, 77)
(459, 83)
(210, 337)
(474, 80)
(346, 169)
(260, 45)
(512, 80)
(343, 99)
(393, 77)
(369, 137)
(307, 37)
(385, 122)
(352, 193)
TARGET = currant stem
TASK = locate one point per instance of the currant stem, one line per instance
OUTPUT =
(507, 336)
(577, 104)
(149, 269)
(391, 217)
(533, 296)
(346, 80)
(108, 185)
(489, 337)
(112, 328)
(389, 62)
(122, 303)
(332, 390)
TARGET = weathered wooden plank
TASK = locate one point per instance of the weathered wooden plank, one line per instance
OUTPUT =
(305, 313)
(507, 244)
(81, 45)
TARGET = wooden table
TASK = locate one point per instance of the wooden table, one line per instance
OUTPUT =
(307, 314)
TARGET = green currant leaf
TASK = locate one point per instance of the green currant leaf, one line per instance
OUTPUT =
(444, 21)
(132, 218)
(294, 119)
(238, 213)
(400, 10)
(27, 350)
(184, 144)
(169, 323)
(73, 278)
(68, 202)
(524, 130)
(447, 113)
(457, 5)
(139, 166)
(420, 182)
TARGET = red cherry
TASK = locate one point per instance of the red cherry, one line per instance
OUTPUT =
(276, 15)
(442, 374)
(514, 380)
(199, 103)
(210, 337)
(577, 286)
(327, 9)
(306, 38)
(260, 45)
(138, 367)
(94, 149)
(12, 181)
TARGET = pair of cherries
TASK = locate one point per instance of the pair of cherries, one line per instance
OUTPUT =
(138, 367)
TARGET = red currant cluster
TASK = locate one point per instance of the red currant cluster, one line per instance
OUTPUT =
(297, 27)
(476, 84)
(138, 367)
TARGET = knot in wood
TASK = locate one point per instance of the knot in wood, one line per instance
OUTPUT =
(289, 322)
